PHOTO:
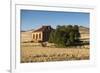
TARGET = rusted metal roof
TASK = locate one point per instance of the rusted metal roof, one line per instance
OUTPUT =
(44, 28)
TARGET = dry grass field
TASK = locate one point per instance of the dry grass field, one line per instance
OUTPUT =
(45, 54)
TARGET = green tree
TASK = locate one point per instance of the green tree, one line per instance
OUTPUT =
(77, 33)
(65, 35)
(52, 36)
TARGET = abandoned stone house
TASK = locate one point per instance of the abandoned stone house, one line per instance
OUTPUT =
(42, 34)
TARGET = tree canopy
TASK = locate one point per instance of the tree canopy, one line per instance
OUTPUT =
(65, 35)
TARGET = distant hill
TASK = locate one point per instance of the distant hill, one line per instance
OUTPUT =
(83, 29)
(26, 36)
(85, 33)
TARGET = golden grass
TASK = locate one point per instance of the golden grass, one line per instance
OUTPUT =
(31, 53)
(45, 54)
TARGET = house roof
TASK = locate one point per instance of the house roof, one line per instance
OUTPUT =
(43, 28)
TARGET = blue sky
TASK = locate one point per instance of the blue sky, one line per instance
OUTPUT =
(32, 19)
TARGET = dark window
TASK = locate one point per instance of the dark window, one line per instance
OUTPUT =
(36, 36)
(39, 36)
(33, 36)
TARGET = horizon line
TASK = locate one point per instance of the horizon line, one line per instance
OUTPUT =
(51, 26)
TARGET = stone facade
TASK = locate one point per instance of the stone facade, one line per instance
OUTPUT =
(42, 34)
